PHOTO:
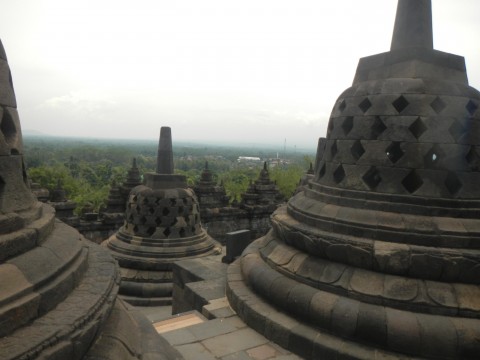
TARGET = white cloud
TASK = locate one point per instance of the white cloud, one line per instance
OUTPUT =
(83, 102)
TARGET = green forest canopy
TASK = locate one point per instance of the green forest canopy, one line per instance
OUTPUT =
(87, 168)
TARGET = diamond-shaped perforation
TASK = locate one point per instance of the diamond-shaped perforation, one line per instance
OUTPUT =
(165, 211)
(322, 172)
(394, 152)
(471, 107)
(433, 157)
(8, 128)
(339, 174)
(347, 125)
(378, 127)
(452, 183)
(457, 130)
(412, 182)
(357, 150)
(438, 105)
(342, 106)
(372, 178)
(473, 159)
(334, 149)
(167, 232)
(331, 125)
(400, 104)
(365, 105)
(417, 128)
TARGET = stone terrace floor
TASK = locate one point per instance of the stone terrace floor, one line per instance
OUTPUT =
(210, 329)
(225, 337)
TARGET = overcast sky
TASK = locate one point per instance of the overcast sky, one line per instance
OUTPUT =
(248, 71)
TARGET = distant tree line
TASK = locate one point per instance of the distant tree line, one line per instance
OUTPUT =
(87, 169)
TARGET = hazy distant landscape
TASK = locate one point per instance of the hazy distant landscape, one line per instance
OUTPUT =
(87, 168)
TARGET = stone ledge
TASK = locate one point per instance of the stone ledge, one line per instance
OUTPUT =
(67, 330)
(343, 317)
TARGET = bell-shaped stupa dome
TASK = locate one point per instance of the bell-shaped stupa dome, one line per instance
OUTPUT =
(379, 256)
(162, 225)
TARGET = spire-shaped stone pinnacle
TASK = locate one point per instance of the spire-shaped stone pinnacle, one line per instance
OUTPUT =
(413, 25)
(3, 55)
(134, 163)
(265, 165)
(165, 152)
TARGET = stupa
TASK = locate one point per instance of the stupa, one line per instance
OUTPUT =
(209, 194)
(262, 191)
(58, 292)
(133, 179)
(63, 207)
(379, 256)
(162, 225)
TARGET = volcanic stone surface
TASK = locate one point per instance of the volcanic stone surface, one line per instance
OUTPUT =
(379, 256)
(58, 292)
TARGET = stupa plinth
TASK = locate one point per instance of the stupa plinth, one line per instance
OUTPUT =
(162, 225)
(379, 256)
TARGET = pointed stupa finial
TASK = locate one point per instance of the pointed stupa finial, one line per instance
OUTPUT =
(134, 163)
(165, 152)
(3, 55)
(413, 25)
(265, 165)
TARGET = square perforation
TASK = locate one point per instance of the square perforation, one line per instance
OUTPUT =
(433, 156)
(321, 174)
(452, 183)
(412, 182)
(473, 159)
(471, 107)
(438, 105)
(417, 128)
(331, 125)
(457, 130)
(378, 127)
(394, 152)
(357, 150)
(333, 149)
(400, 104)
(365, 105)
(372, 178)
(347, 125)
(339, 174)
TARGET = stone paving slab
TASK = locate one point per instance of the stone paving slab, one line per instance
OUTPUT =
(225, 336)
(226, 339)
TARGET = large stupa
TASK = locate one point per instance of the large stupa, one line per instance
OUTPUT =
(379, 256)
(162, 225)
(58, 291)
